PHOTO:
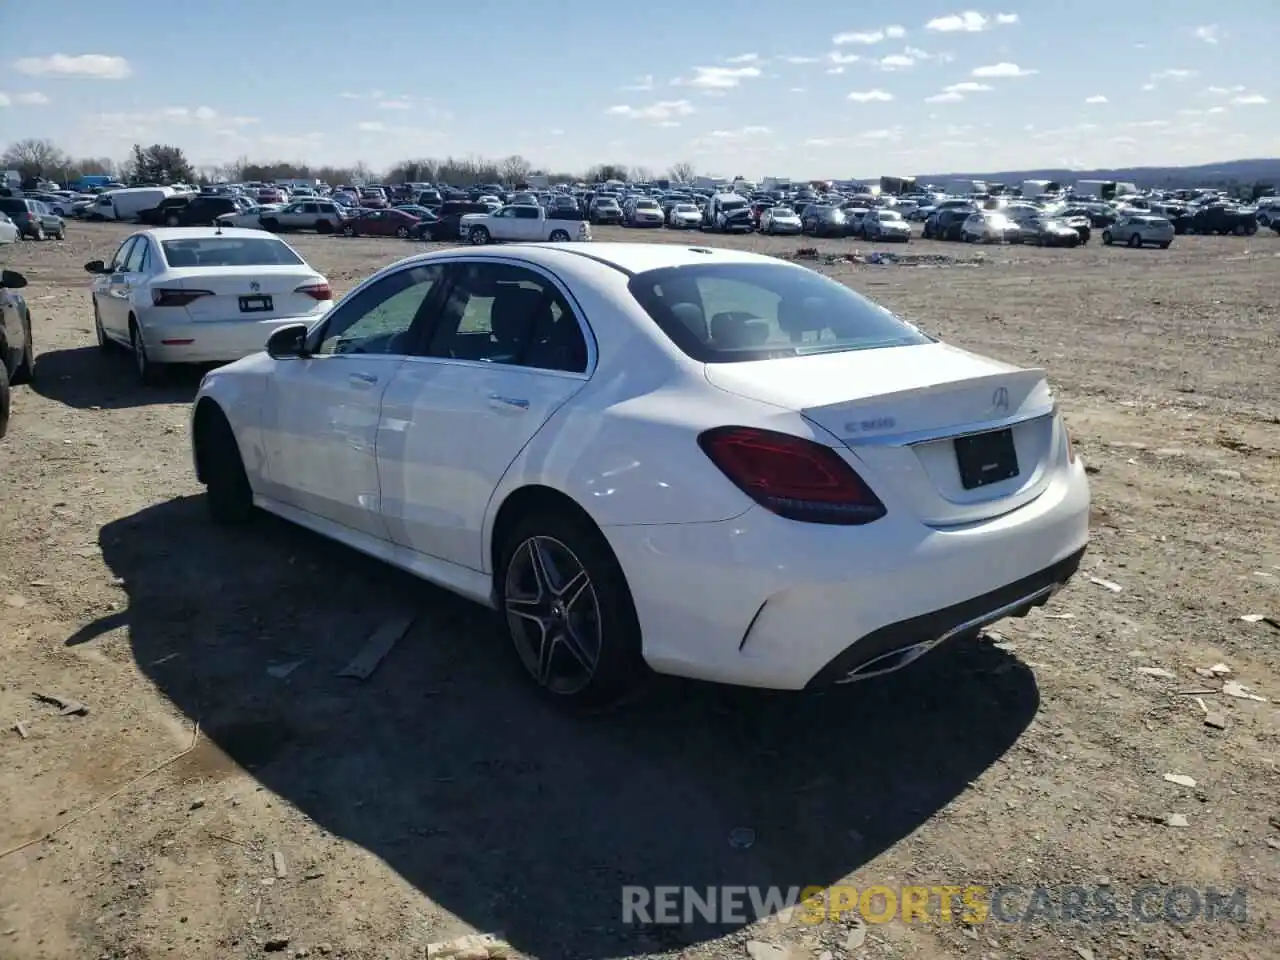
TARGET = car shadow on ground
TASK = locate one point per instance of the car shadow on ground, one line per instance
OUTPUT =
(505, 811)
(86, 377)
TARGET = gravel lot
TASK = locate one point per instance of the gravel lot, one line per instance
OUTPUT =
(438, 797)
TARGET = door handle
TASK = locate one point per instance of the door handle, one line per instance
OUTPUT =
(498, 399)
(363, 379)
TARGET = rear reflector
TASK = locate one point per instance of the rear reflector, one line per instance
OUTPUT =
(791, 476)
(170, 297)
(317, 291)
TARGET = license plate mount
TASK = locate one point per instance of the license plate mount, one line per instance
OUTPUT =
(986, 458)
(256, 304)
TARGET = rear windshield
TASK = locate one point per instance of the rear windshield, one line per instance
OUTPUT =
(229, 252)
(735, 312)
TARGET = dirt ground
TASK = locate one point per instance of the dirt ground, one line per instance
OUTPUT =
(439, 797)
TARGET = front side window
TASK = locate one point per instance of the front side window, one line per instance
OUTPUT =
(501, 313)
(380, 318)
(122, 254)
(137, 261)
(736, 312)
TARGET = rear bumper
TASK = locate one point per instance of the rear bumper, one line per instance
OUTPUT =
(212, 341)
(766, 602)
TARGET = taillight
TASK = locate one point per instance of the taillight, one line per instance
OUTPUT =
(317, 291)
(792, 477)
(170, 297)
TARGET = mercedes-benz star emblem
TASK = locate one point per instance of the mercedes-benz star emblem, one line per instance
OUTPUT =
(1000, 399)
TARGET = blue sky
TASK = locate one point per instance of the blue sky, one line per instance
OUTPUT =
(749, 87)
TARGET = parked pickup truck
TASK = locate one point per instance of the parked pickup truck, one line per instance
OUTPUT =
(527, 222)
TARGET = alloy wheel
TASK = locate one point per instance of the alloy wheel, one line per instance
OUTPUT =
(553, 615)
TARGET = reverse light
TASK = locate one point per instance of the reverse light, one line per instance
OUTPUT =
(317, 291)
(791, 476)
(172, 297)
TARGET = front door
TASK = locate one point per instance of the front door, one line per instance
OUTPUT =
(508, 352)
(110, 290)
(321, 411)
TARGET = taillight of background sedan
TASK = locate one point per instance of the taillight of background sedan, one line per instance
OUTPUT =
(726, 466)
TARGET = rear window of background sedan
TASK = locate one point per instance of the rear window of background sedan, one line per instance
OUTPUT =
(738, 312)
(229, 252)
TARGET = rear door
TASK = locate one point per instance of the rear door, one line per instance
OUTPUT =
(509, 350)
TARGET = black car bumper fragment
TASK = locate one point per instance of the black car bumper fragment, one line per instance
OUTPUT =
(906, 634)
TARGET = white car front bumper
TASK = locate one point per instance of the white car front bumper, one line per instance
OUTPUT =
(766, 602)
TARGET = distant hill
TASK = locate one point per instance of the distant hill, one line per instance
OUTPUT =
(1242, 172)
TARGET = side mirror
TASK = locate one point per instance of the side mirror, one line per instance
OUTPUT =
(95, 266)
(11, 280)
(288, 343)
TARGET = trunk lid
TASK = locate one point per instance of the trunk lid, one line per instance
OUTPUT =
(900, 410)
(229, 284)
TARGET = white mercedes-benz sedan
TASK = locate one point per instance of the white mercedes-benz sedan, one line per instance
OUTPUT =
(201, 295)
(701, 461)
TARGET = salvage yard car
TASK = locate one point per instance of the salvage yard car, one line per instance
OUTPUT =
(526, 222)
(17, 358)
(1139, 230)
(793, 487)
(200, 295)
(1047, 232)
(986, 226)
(779, 219)
(885, 225)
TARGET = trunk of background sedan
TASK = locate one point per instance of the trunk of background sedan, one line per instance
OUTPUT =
(234, 297)
(954, 437)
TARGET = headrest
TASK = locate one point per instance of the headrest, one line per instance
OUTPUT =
(691, 315)
(512, 311)
(798, 315)
(730, 330)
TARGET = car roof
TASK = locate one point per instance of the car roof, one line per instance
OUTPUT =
(628, 257)
(192, 233)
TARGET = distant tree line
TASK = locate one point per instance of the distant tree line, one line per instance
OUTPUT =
(165, 163)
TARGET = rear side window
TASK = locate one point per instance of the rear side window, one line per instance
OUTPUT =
(737, 312)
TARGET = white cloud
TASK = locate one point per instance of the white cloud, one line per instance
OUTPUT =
(945, 97)
(823, 142)
(835, 71)
(1001, 70)
(1174, 74)
(1210, 33)
(1148, 87)
(800, 59)
(641, 84)
(401, 103)
(967, 22)
(1149, 124)
(1096, 98)
(1216, 110)
(743, 58)
(742, 133)
(870, 96)
(95, 65)
(719, 78)
(371, 126)
(838, 58)
(1223, 91)
(797, 89)
(896, 61)
(895, 32)
(662, 111)
(32, 99)
(967, 86)
(1006, 19)
(894, 133)
(841, 39)
(1250, 99)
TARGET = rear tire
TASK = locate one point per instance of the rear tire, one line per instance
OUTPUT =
(227, 490)
(149, 374)
(270, 223)
(402, 233)
(348, 230)
(478, 236)
(597, 660)
(1135, 240)
(559, 236)
(171, 221)
(1106, 238)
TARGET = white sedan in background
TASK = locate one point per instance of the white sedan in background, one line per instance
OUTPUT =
(780, 219)
(699, 461)
(201, 295)
(684, 216)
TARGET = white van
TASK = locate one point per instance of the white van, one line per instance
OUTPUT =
(126, 204)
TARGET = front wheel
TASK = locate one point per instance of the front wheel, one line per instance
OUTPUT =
(1135, 240)
(559, 236)
(1164, 246)
(38, 234)
(568, 612)
(269, 223)
(1106, 237)
(478, 236)
(348, 230)
(227, 490)
(402, 233)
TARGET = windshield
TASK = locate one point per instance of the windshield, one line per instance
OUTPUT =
(732, 204)
(229, 252)
(646, 205)
(737, 312)
(889, 215)
(686, 208)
